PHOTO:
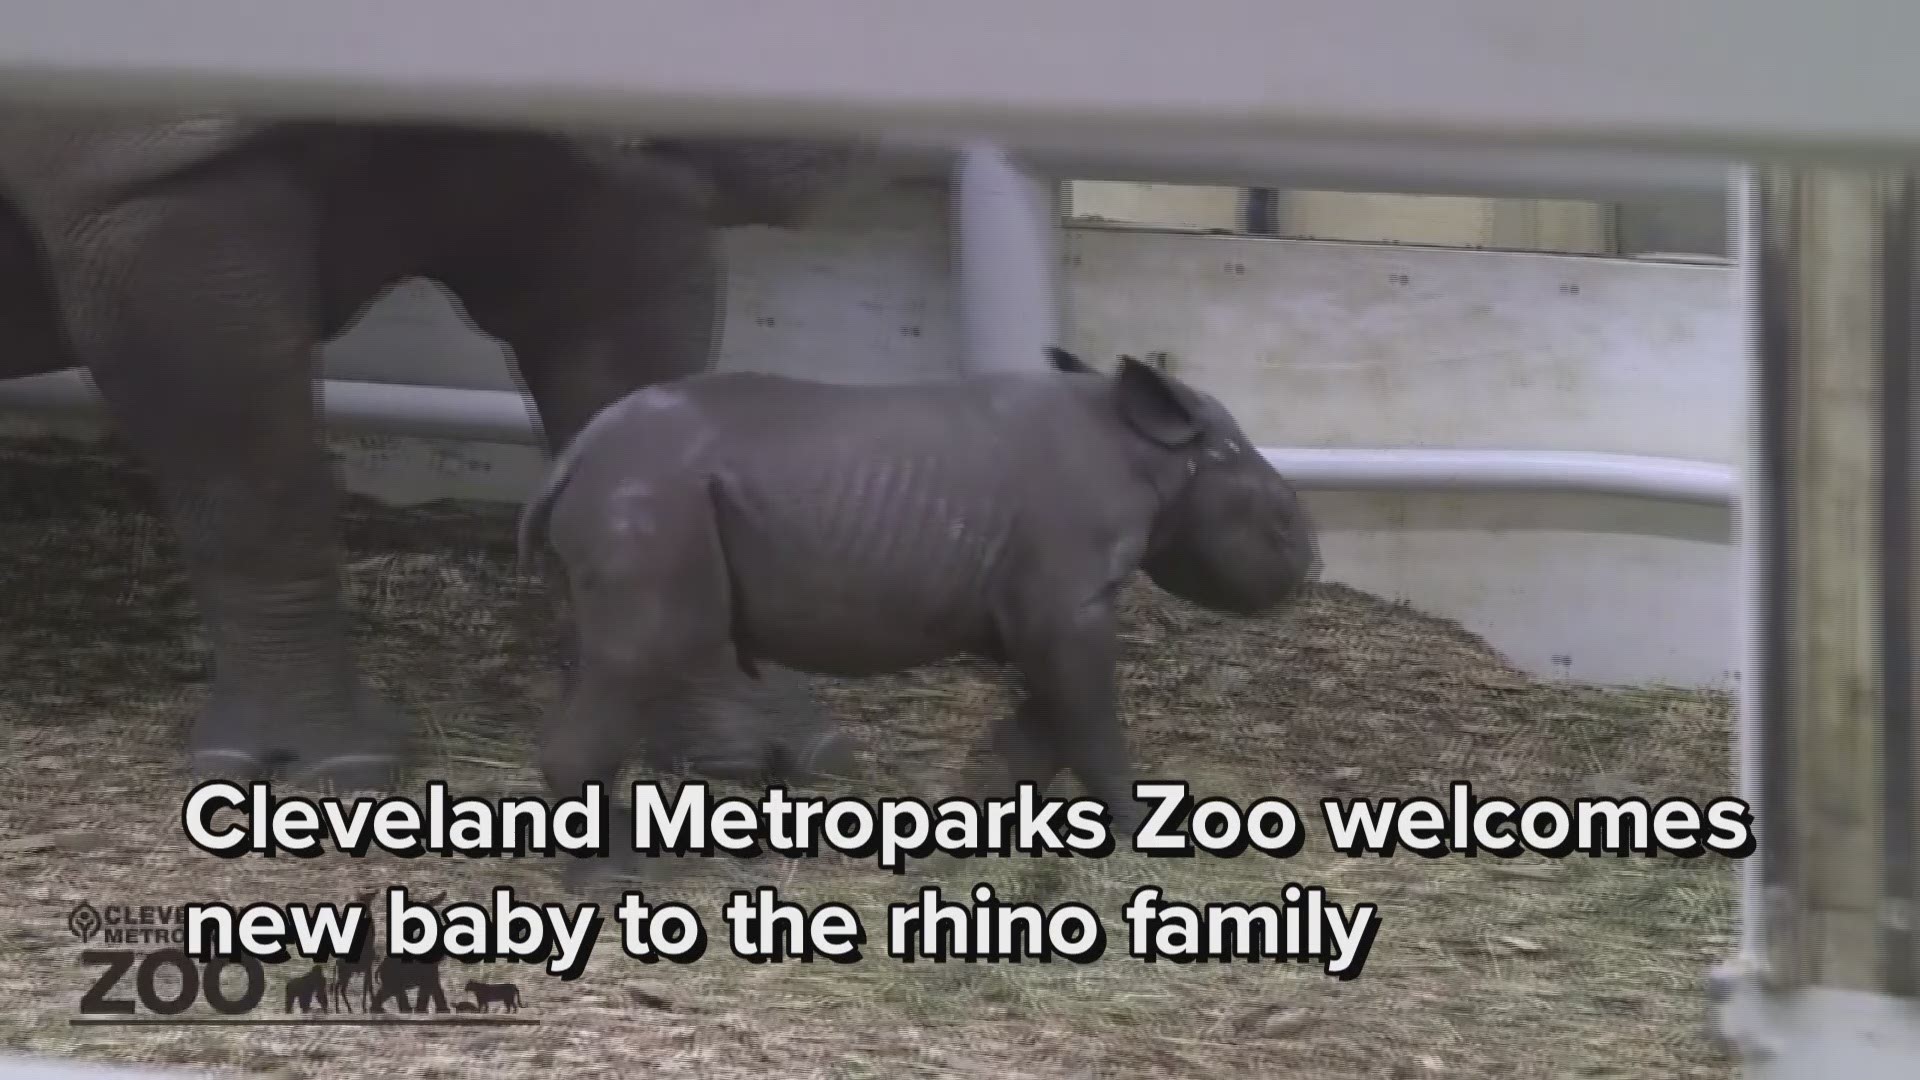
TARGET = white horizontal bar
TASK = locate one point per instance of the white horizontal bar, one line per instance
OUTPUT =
(434, 412)
(1745, 77)
(502, 416)
(1508, 470)
(16, 1067)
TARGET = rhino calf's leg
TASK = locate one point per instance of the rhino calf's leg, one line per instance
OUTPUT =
(194, 308)
(1018, 749)
(587, 739)
(1069, 677)
(650, 612)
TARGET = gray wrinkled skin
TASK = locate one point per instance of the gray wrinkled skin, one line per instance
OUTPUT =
(857, 530)
(722, 726)
(766, 729)
(192, 265)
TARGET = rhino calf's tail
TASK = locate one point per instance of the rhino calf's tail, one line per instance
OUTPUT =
(533, 517)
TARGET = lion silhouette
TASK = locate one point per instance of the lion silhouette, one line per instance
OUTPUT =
(506, 994)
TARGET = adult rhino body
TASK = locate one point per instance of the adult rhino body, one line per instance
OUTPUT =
(193, 264)
(856, 530)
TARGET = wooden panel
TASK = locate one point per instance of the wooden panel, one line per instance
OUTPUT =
(1837, 708)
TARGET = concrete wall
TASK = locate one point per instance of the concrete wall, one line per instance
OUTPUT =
(1313, 344)
(1679, 224)
(1346, 345)
(1556, 225)
(1686, 224)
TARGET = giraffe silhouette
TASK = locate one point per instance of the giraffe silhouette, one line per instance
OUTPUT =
(346, 967)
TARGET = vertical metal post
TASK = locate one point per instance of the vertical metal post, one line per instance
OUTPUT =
(1752, 512)
(1826, 982)
(1260, 212)
(1900, 750)
(1006, 236)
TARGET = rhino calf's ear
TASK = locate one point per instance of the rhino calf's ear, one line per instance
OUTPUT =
(1156, 406)
(1065, 361)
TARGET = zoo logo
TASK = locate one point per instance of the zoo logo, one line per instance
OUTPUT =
(322, 995)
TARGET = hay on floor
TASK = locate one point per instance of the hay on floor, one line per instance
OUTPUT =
(1483, 969)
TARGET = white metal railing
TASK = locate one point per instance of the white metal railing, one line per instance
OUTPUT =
(503, 416)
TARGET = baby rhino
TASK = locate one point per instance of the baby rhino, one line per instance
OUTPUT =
(858, 530)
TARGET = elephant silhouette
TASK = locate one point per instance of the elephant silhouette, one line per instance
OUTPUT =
(505, 994)
(309, 990)
(397, 974)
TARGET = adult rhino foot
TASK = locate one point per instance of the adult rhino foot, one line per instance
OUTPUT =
(825, 755)
(247, 737)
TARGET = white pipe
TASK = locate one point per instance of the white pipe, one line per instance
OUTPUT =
(1668, 479)
(1749, 554)
(502, 416)
(434, 412)
(1006, 246)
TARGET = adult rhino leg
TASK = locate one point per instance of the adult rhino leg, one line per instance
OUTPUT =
(194, 307)
(30, 335)
(608, 283)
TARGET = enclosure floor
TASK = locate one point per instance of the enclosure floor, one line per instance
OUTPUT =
(1483, 968)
